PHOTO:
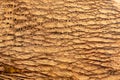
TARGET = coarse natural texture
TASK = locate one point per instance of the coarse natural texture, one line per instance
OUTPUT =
(59, 40)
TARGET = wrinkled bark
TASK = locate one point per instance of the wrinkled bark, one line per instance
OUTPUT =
(59, 40)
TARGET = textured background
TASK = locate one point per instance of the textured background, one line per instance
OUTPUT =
(59, 40)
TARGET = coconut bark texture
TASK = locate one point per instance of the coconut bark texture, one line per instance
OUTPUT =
(59, 40)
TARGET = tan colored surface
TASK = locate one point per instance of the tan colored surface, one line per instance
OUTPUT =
(59, 40)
